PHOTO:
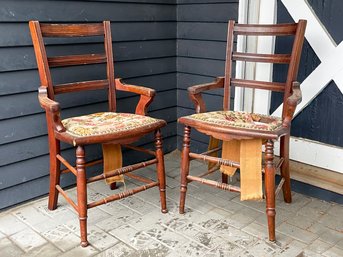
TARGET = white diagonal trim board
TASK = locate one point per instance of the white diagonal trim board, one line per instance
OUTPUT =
(320, 40)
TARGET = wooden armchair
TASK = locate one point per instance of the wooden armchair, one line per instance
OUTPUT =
(240, 130)
(107, 128)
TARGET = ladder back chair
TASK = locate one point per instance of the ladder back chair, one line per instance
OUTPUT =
(106, 128)
(233, 126)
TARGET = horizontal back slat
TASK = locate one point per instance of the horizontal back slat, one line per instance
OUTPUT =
(265, 30)
(80, 86)
(270, 58)
(274, 86)
(70, 60)
(72, 30)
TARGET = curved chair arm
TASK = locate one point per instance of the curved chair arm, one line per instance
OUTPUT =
(292, 102)
(52, 109)
(196, 91)
(147, 95)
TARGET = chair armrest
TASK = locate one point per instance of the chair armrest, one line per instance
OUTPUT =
(196, 91)
(146, 95)
(52, 108)
(45, 102)
(134, 89)
(292, 102)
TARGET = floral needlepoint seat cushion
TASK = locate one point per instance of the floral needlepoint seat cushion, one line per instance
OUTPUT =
(106, 123)
(239, 120)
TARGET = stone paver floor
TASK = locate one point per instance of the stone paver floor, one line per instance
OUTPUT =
(216, 223)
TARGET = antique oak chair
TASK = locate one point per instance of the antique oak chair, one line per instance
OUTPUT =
(106, 128)
(229, 126)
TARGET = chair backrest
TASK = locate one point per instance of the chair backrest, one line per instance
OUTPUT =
(39, 31)
(292, 59)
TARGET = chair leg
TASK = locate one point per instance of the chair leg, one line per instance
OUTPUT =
(81, 193)
(285, 173)
(113, 186)
(224, 178)
(55, 173)
(184, 168)
(160, 170)
(270, 188)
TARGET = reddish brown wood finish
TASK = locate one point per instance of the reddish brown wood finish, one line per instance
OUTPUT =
(80, 86)
(271, 58)
(292, 96)
(185, 161)
(274, 86)
(72, 30)
(266, 30)
(160, 169)
(57, 132)
(269, 177)
(70, 60)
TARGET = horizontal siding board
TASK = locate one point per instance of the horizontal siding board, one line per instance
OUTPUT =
(205, 1)
(185, 80)
(81, 11)
(201, 49)
(28, 80)
(197, 66)
(220, 12)
(202, 31)
(17, 34)
(213, 102)
(23, 58)
(137, 1)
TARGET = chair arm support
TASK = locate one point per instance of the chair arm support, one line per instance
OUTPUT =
(52, 109)
(134, 89)
(146, 95)
(196, 91)
(291, 103)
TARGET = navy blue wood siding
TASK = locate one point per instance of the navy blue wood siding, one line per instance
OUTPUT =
(201, 44)
(144, 41)
(320, 120)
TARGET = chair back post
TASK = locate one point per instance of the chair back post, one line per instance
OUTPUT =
(110, 67)
(41, 57)
(294, 62)
(228, 65)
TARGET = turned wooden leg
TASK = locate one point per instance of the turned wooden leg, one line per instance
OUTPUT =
(285, 173)
(184, 168)
(224, 178)
(82, 193)
(55, 173)
(113, 186)
(270, 188)
(160, 170)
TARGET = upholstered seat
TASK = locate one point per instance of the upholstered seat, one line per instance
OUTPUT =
(107, 123)
(237, 120)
